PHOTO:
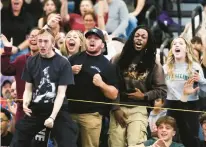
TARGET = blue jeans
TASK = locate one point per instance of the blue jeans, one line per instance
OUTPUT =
(132, 24)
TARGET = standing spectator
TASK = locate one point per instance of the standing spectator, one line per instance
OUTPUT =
(35, 8)
(95, 80)
(188, 90)
(44, 100)
(16, 23)
(142, 81)
(16, 68)
(180, 66)
(118, 17)
(74, 43)
(6, 135)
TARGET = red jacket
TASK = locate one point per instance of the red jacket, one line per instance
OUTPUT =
(14, 69)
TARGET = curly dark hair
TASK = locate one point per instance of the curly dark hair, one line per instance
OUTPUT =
(148, 55)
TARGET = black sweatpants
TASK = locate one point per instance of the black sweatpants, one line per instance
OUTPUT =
(187, 122)
(65, 131)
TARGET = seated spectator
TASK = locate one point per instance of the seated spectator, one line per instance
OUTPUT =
(76, 21)
(118, 17)
(59, 39)
(16, 16)
(197, 47)
(89, 20)
(155, 114)
(74, 42)
(203, 125)
(13, 90)
(49, 6)
(35, 8)
(6, 89)
(187, 33)
(166, 129)
(6, 136)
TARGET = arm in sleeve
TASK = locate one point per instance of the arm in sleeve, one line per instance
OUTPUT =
(66, 76)
(8, 68)
(124, 18)
(109, 85)
(62, 86)
(202, 83)
(26, 75)
(159, 88)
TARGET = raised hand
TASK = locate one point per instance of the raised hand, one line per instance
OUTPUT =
(6, 42)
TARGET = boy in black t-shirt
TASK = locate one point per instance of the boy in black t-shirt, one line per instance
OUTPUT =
(44, 101)
(95, 80)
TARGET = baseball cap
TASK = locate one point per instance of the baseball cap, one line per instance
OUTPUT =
(100, 34)
(97, 32)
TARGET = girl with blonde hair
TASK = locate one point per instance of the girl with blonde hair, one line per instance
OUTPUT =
(182, 66)
(74, 42)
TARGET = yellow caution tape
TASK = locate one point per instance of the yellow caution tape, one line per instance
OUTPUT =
(127, 105)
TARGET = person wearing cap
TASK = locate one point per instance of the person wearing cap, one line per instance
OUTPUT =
(95, 80)
(6, 89)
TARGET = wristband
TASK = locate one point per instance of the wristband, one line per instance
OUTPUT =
(51, 118)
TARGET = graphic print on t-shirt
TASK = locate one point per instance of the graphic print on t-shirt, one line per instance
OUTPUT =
(46, 91)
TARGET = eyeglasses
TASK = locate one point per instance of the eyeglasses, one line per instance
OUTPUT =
(2, 120)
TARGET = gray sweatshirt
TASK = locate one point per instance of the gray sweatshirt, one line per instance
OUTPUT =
(175, 86)
(118, 18)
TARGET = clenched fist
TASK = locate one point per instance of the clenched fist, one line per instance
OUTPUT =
(76, 68)
(49, 123)
(97, 80)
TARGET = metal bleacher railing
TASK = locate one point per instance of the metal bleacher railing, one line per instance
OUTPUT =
(195, 12)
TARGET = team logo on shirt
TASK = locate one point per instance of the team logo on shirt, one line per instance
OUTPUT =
(96, 68)
(46, 91)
